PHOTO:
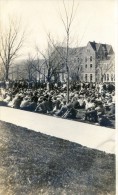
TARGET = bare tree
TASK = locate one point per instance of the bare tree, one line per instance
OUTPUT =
(67, 22)
(76, 70)
(28, 70)
(37, 66)
(1, 72)
(51, 65)
(11, 41)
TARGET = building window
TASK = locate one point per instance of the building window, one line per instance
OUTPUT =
(86, 59)
(91, 77)
(90, 65)
(104, 77)
(107, 77)
(86, 66)
(85, 77)
(90, 58)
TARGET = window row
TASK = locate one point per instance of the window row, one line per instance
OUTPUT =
(86, 78)
(106, 77)
(91, 65)
(91, 58)
(109, 77)
(86, 59)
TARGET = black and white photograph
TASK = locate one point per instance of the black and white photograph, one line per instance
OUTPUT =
(58, 80)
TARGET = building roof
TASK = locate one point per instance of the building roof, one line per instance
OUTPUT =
(76, 50)
(93, 44)
(80, 50)
(96, 46)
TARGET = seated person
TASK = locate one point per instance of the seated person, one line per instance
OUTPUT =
(104, 121)
(70, 112)
(75, 102)
(67, 111)
(41, 107)
(49, 105)
(62, 110)
(8, 98)
(34, 97)
(100, 108)
(58, 104)
(91, 113)
(15, 103)
(27, 104)
(111, 113)
(81, 102)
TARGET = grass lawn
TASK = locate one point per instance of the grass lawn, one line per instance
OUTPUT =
(33, 163)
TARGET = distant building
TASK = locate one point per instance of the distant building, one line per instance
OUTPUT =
(100, 63)
(92, 63)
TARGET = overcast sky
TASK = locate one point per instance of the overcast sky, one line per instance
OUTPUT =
(95, 20)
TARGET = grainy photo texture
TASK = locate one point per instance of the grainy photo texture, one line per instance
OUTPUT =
(57, 97)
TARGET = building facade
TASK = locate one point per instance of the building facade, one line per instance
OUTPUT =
(92, 63)
(98, 63)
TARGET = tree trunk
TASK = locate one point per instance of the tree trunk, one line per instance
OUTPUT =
(48, 86)
(67, 67)
(102, 78)
(67, 86)
(6, 75)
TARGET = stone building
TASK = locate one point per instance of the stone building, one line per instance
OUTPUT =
(101, 63)
(92, 63)
(97, 63)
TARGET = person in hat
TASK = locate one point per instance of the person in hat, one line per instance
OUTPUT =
(57, 104)
(82, 102)
(41, 106)
(91, 113)
(34, 97)
(26, 102)
(100, 108)
(49, 105)
(75, 102)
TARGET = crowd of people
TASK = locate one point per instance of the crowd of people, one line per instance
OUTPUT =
(89, 102)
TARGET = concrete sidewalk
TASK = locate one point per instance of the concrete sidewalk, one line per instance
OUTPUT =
(92, 136)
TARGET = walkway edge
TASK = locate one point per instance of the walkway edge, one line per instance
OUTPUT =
(100, 138)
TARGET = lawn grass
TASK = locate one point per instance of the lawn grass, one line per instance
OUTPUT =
(33, 163)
